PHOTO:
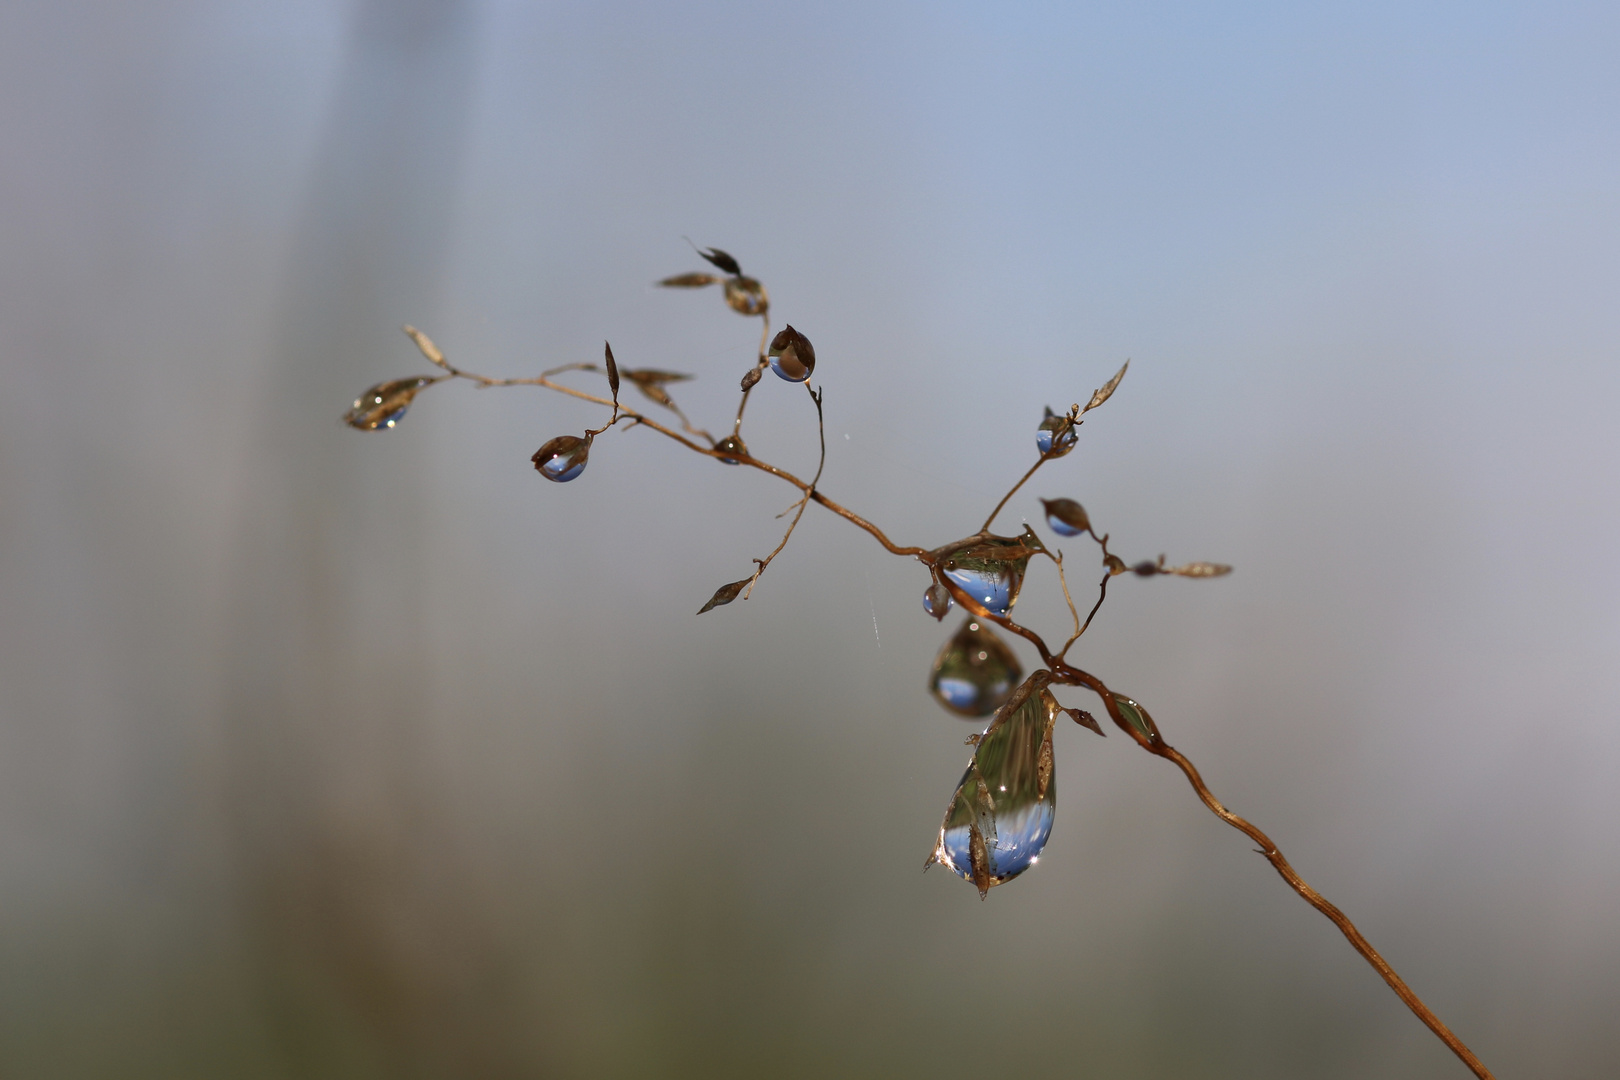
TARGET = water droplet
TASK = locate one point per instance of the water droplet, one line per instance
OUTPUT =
(792, 356)
(975, 672)
(383, 404)
(732, 444)
(1001, 815)
(937, 600)
(563, 458)
(1066, 517)
(746, 296)
(1056, 435)
(991, 571)
(1137, 717)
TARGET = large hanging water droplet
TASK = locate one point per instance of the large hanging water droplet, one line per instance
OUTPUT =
(563, 458)
(734, 446)
(975, 672)
(1066, 517)
(792, 356)
(1001, 815)
(937, 600)
(991, 571)
(1056, 435)
(383, 404)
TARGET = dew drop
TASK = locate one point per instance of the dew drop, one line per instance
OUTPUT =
(382, 405)
(975, 671)
(792, 356)
(991, 571)
(1001, 815)
(732, 444)
(937, 600)
(1066, 517)
(746, 296)
(563, 458)
(1056, 435)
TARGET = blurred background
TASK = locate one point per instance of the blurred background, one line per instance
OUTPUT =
(329, 754)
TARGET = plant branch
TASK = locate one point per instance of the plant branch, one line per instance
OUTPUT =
(821, 429)
(1014, 490)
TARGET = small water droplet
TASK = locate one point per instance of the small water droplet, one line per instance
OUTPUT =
(975, 671)
(1066, 517)
(792, 356)
(746, 296)
(732, 444)
(382, 405)
(991, 571)
(1056, 435)
(563, 458)
(1001, 815)
(937, 600)
(1137, 717)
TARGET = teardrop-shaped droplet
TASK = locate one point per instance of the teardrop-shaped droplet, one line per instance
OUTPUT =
(1066, 517)
(732, 445)
(746, 296)
(792, 356)
(563, 458)
(991, 571)
(1056, 435)
(975, 672)
(383, 404)
(1137, 717)
(1001, 814)
(937, 600)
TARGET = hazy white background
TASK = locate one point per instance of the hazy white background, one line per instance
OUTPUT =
(328, 754)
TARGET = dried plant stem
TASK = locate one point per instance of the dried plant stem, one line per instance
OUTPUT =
(1102, 594)
(1014, 490)
(821, 430)
(642, 419)
(1060, 672)
(1320, 903)
(764, 342)
(1063, 673)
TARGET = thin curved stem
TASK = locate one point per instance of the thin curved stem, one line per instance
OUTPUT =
(1154, 743)
(1013, 491)
(821, 428)
(1320, 903)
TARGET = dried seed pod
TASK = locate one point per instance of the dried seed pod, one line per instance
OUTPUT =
(722, 260)
(1066, 517)
(689, 281)
(725, 594)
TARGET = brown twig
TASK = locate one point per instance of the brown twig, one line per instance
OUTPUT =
(1145, 732)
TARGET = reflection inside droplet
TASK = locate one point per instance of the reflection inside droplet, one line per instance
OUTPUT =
(937, 600)
(991, 570)
(975, 671)
(381, 406)
(732, 445)
(1065, 517)
(1001, 814)
(1059, 428)
(563, 458)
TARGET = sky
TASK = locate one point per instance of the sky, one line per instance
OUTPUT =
(327, 753)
